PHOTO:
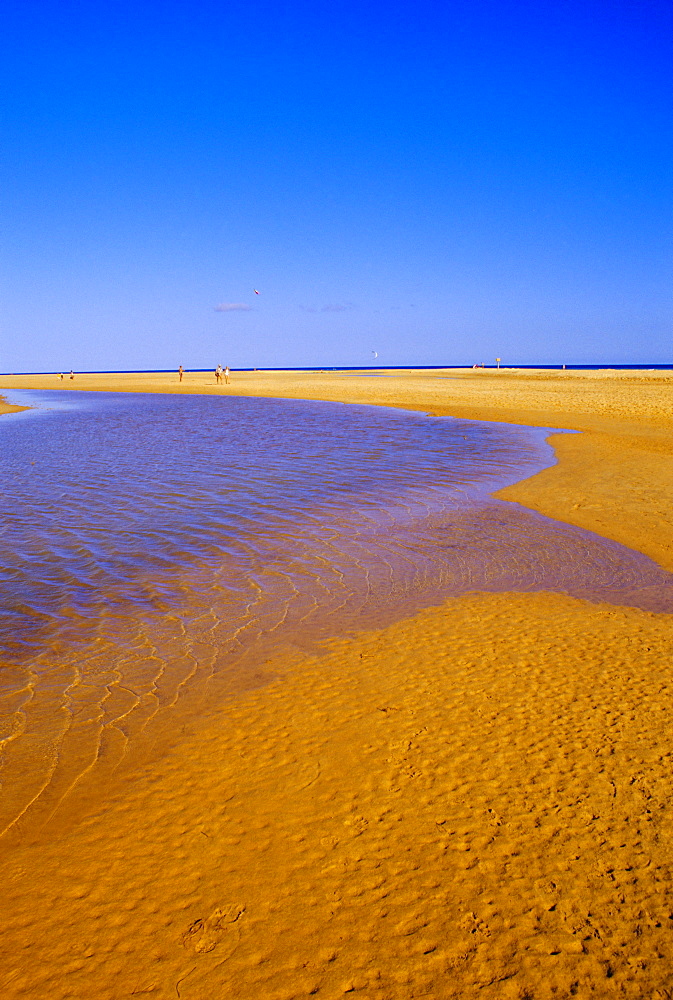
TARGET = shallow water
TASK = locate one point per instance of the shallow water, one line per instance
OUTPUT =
(159, 552)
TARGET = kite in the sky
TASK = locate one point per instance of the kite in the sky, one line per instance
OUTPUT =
(375, 353)
(255, 291)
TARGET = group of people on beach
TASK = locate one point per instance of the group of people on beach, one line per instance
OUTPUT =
(221, 374)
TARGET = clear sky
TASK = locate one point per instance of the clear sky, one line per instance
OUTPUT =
(441, 183)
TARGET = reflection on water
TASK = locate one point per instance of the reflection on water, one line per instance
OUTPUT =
(159, 552)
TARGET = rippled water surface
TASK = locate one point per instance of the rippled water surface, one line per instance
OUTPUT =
(158, 551)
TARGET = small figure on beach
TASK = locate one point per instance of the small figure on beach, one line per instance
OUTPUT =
(218, 374)
(72, 374)
(181, 372)
(227, 373)
(61, 376)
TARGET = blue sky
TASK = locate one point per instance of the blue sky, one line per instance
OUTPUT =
(442, 183)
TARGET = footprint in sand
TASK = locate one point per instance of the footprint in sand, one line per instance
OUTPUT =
(471, 923)
(205, 935)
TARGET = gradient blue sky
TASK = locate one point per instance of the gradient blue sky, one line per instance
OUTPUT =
(439, 182)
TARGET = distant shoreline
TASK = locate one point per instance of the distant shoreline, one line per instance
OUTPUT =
(641, 366)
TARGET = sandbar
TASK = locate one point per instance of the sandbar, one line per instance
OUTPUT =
(472, 802)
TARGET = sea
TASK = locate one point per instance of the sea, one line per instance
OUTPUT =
(160, 554)
(377, 369)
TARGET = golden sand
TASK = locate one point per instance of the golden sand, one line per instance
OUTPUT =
(8, 408)
(473, 802)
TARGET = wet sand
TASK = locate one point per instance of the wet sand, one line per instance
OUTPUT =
(473, 802)
(8, 408)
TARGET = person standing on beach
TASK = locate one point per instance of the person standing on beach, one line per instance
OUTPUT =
(72, 375)
(218, 374)
(227, 373)
(181, 372)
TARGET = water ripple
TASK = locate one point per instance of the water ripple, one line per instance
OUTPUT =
(158, 552)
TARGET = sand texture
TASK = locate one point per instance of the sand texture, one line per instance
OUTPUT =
(473, 802)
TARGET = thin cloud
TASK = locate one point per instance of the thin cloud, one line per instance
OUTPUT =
(230, 307)
(337, 307)
(331, 307)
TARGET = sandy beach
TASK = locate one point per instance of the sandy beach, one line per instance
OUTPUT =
(472, 802)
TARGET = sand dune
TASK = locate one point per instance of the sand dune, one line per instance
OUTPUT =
(473, 802)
